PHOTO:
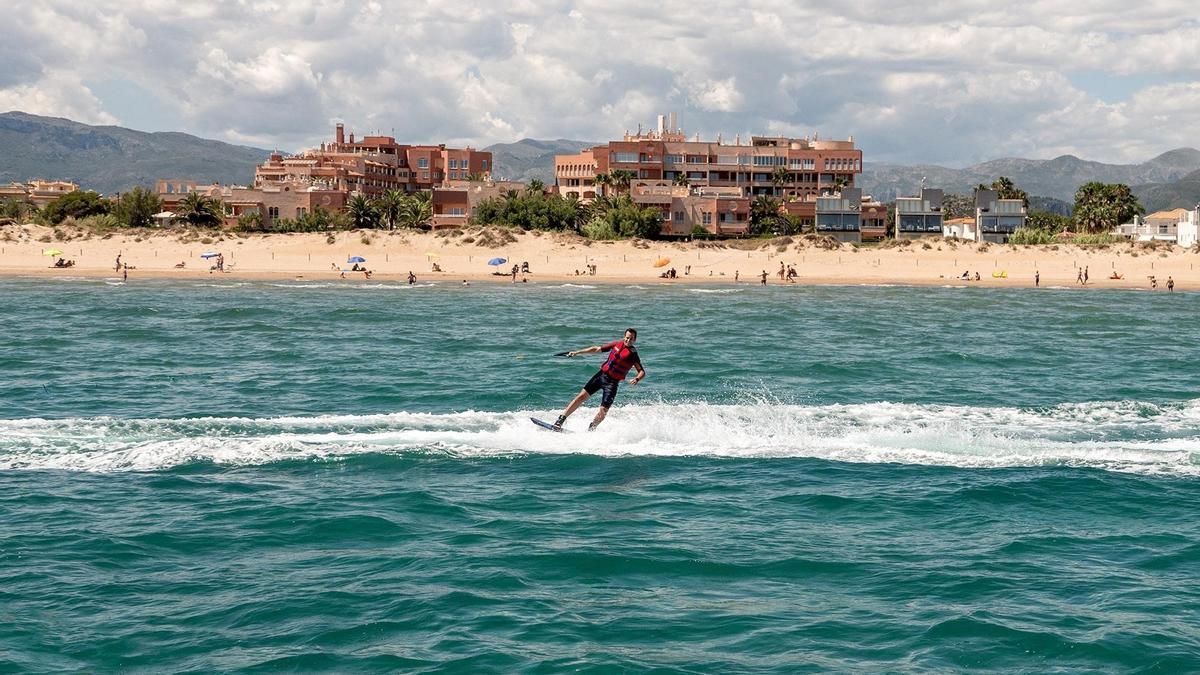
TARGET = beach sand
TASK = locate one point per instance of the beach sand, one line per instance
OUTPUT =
(556, 257)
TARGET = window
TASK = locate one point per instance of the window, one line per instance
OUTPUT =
(674, 159)
(424, 175)
(423, 163)
(453, 175)
(485, 165)
(679, 216)
(454, 164)
(706, 218)
(457, 211)
(626, 157)
(273, 212)
(300, 210)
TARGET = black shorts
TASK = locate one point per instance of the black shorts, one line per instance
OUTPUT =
(599, 381)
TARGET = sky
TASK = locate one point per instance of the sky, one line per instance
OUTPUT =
(936, 82)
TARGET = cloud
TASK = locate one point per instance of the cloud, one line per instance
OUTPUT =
(951, 83)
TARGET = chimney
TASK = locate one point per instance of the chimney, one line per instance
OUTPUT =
(341, 133)
(352, 138)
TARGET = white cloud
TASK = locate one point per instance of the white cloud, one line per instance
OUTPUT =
(942, 82)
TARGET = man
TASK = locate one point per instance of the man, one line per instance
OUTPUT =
(622, 356)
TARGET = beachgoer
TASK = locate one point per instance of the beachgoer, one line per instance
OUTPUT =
(514, 274)
(333, 266)
(781, 271)
(1037, 278)
(622, 356)
(1170, 284)
(118, 267)
(342, 275)
(367, 273)
(1153, 283)
(976, 275)
(125, 273)
(465, 283)
(1079, 278)
(966, 275)
(735, 275)
(412, 278)
(1085, 275)
(764, 277)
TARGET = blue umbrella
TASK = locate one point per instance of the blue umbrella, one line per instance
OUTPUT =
(356, 259)
(497, 261)
(208, 255)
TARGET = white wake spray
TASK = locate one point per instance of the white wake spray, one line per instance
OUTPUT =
(1117, 436)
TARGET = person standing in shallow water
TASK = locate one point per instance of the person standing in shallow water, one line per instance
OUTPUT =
(1037, 278)
(1170, 284)
(622, 356)
(764, 277)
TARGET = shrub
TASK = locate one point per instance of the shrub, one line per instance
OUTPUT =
(1031, 235)
(600, 230)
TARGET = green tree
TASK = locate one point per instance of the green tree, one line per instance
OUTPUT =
(630, 220)
(535, 186)
(682, 179)
(602, 181)
(780, 177)
(765, 216)
(1006, 189)
(362, 212)
(1050, 222)
(957, 206)
(621, 179)
(389, 205)
(16, 209)
(77, 205)
(417, 210)
(137, 207)
(1100, 207)
(251, 221)
(201, 210)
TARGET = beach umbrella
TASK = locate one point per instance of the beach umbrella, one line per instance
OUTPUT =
(52, 251)
(497, 261)
(209, 254)
(431, 254)
(356, 259)
(662, 262)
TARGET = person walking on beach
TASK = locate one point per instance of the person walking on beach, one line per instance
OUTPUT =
(1079, 277)
(622, 356)
(412, 278)
(125, 273)
(118, 267)
(1037, 278)
(781, 270)
(735, 275)
(1170, 284)
(1085, 275)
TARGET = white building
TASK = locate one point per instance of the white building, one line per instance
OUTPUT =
(1176, 225)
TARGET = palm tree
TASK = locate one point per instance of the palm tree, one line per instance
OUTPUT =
(765, 216)
(535, 187)
(362, 212)
(388, 205)
(602, 181)
(780, 177)
(201, 210)
(682, 179)
(417, 211)
(621, 178)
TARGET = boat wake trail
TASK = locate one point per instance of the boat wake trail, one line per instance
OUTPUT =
(1118, 436)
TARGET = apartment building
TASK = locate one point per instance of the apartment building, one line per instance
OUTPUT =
(453, 205)
(839, 215)
(373, 165)
(784, 168)
(920, 216)
(37, 192)
(996, 219)
(715, 210)
(272, 202)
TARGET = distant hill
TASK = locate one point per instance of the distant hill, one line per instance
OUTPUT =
(1058, 178)
(110, 159)
(529, 158)
(1183, 193)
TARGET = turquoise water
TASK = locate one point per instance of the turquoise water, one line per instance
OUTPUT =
(260, 476)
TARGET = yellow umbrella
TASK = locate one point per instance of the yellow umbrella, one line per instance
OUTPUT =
(662, 262)
(431, 254)
(52, 251)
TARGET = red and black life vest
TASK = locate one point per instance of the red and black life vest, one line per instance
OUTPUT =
(621, 358)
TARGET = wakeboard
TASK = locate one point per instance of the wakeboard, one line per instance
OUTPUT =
(547, 425)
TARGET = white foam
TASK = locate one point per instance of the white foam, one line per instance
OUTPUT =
(721, 291)
(585, 286)
(1116, 436)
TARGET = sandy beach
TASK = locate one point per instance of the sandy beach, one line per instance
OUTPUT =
(555, 257)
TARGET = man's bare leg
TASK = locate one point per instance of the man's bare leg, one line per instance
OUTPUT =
(572, 406)
(599, 418)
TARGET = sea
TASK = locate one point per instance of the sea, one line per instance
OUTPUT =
(213, 475)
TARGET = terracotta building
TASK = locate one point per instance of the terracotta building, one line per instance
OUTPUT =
(37, 191)
(793, 170)
(272, 202)
(373, 165)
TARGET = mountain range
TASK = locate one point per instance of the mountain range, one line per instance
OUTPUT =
(110, 159)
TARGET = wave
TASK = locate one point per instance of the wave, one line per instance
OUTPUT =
(570, 285)
(1117, 436)
(720, 291)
